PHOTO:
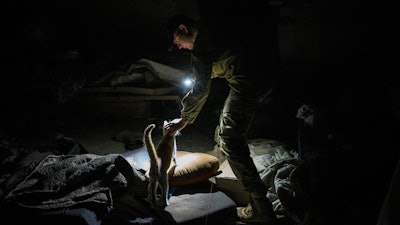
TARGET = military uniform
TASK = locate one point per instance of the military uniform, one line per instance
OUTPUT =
(237, 114)
(250, 80)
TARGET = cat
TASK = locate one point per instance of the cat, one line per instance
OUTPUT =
(162, 162)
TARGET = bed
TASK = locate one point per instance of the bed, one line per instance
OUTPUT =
(148, 84)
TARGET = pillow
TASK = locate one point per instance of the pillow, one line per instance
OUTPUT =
(193, 167)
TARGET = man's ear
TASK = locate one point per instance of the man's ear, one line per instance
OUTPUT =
(183, 28)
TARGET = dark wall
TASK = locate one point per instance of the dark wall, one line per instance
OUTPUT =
(37, 33)
(324, 36)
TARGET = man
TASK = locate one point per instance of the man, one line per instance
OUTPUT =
(213, 55)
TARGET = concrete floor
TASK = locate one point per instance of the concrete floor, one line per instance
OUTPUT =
(98, 126)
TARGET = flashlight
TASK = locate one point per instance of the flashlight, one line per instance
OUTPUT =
(187, 82)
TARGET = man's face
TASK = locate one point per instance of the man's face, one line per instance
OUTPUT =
(184, 39)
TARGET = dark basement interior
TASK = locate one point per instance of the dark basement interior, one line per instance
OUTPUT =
(82, 79)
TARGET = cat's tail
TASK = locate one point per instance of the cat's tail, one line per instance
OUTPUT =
(148, 143)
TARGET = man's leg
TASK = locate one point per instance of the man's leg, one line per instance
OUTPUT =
(235, 121)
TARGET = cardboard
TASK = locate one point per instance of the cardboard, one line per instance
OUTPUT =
(228, 183)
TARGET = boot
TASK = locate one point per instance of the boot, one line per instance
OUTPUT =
(258, 211)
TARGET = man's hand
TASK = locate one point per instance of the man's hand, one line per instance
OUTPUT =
(175, 125)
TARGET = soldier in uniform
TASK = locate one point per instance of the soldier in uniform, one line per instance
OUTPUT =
(250, 81)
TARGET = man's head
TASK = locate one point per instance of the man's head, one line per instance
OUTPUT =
(183, 30)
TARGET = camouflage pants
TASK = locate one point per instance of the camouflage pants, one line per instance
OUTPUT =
(235, 121)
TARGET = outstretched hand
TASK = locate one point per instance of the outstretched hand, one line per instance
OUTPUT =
(175, 125)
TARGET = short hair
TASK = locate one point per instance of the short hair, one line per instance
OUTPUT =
(174, 22)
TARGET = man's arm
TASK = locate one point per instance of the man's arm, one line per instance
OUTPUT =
(194, 100)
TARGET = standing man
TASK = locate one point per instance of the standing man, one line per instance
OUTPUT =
(242, 60)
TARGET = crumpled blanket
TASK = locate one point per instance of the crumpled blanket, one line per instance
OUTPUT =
(17, 161)
(275, 164)
(144, 71)
(70, 180)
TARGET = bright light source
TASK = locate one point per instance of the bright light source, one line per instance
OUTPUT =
(188, 82)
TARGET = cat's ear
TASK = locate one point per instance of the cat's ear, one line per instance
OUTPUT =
(165, 122)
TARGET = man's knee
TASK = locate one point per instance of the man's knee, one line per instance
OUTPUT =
(235, 146)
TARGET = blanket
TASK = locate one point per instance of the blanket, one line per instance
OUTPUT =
(275, 164)
(61, 181)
